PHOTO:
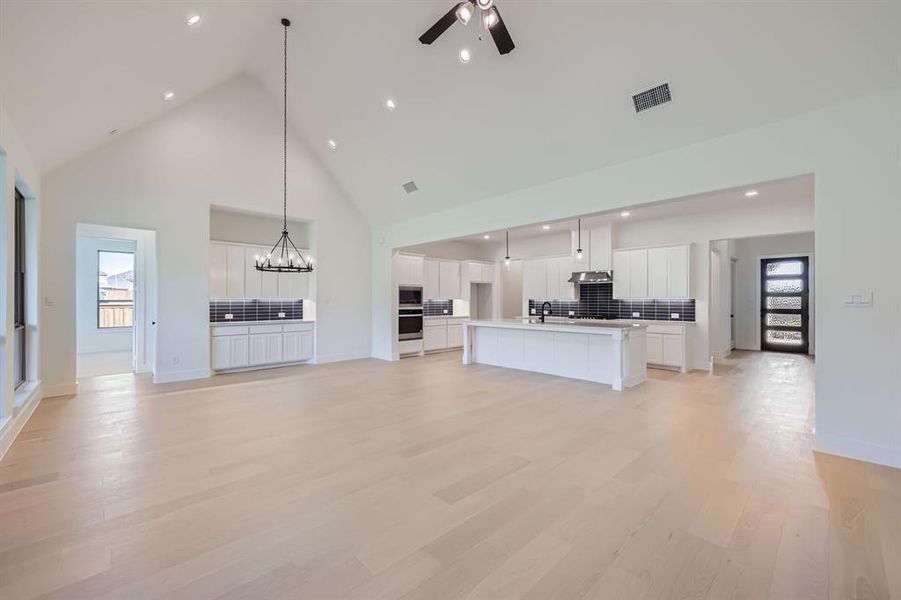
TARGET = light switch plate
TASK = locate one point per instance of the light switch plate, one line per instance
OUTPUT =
(674, 315)
(636, 314)
(229, 316)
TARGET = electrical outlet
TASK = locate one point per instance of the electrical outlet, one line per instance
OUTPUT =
(572, 313)
(175, 359)
(281, 315)
(445, 311)
(636, 314)
(532, 311)
(229, 316)
(674, 315)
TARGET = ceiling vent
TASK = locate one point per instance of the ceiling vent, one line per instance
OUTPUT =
(652, 97)
(410, 187)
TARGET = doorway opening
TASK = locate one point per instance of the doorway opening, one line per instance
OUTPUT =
(785, 304)
(115, 288)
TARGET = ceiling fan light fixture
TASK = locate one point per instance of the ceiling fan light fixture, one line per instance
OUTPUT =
(489, 18)
(484, 4)
(464, 13)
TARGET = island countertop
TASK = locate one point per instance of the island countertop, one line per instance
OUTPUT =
(572, 326)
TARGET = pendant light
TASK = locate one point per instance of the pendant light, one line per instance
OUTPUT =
(284, 256)
(579, 248)
(507, 258)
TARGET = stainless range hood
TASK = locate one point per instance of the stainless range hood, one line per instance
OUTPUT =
(592, 277)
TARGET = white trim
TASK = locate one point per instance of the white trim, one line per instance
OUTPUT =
(60, 389)
(11, 429)
(329, 358)
(173, 376)
(858, 450)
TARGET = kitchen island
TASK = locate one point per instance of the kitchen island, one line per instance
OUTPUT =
(612, 353)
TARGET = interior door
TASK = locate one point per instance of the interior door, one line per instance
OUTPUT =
(784, 304)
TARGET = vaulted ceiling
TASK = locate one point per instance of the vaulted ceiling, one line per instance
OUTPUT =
(559, 104)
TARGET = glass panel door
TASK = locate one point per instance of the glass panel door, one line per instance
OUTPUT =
(784, 294)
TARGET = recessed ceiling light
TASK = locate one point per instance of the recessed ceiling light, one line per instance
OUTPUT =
(750, 193)
(625, 213)
(113, 131)
(168, 95)
(545, 227)
(486, 237)
(332, 144)
(193, 20)
(390, 104)
(464, 56)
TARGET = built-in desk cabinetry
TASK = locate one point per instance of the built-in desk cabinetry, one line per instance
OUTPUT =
(242, 346)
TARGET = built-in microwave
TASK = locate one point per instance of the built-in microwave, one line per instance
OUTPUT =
(409, 297)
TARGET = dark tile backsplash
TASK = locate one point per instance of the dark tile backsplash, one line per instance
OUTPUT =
(434, 308)
(596, 300)
(256, 309)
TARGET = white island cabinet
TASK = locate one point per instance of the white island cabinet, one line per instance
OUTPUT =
(614, 354)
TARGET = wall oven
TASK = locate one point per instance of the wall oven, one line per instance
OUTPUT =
(409, 313)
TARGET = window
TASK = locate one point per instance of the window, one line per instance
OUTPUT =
(115, 289)
(19, 328)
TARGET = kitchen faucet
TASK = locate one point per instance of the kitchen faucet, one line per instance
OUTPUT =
(550, 308)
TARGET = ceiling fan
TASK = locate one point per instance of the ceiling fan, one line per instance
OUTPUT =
(463, 12)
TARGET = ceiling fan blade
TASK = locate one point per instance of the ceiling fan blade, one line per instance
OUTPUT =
(441, 26)
(500, 35)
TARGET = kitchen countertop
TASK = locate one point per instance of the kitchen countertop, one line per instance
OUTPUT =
(568, 326)
(621, 321)
(269, 322)
(446, 317)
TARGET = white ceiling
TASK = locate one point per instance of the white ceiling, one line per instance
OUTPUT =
(559, 104)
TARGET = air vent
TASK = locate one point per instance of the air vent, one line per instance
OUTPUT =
(651, 98)
(410, 187)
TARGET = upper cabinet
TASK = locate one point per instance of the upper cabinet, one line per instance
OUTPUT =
(441, 279)
(548, 278)
(480, 272)
(599, 248)
(233, 274)
(431, 275)
(661, 272)
(408, 270)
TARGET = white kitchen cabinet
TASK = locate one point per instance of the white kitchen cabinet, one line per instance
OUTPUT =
(638, 268)
(673, 355)
(431, 288)
(449, 279)
(253, 279)
(297, 346)
(408, 269)
(566, 268)
(434, 337)
(654, 348)
(487, 273)
(230, 352)
(552, 279)
(658, 273)
(266, 348)
(218, 269)
(661, 272)
(480, 272)
(678, 272)
(234, 276)
(455, 333)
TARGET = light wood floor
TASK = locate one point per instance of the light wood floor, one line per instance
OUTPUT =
(426, 479)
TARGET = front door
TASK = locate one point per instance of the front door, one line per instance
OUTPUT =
(784, 302)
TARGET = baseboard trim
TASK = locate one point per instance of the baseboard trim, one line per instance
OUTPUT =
(330, 358)
(721, 354)
(60, 389)
(858, 450)
(14, 426)
(187, 375)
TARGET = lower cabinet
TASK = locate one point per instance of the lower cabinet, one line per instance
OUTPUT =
(442, 334)
(237, 346)
(666, 346)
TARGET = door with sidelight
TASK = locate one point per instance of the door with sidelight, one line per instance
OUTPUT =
(784, 304)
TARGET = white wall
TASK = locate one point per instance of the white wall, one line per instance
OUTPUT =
(223, 149)
(17, 169)
(89, 337)
(851, 148)
(454, 250)
(257, 230)
(749, 251)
